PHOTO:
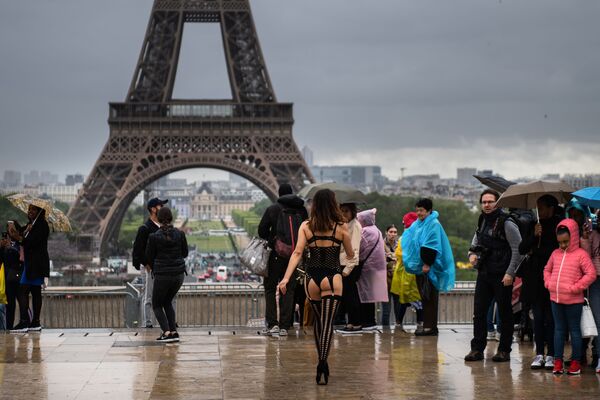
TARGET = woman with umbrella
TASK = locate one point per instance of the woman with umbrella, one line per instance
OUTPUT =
(34, 239)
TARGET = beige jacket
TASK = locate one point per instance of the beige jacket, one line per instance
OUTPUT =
(355, 231)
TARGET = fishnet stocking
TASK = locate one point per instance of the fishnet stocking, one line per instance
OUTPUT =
(329, 307)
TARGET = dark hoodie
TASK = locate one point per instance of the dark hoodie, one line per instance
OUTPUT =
(539, 250)
(35, 245)
(268, 222)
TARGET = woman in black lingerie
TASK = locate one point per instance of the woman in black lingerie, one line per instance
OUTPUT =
(324, 233)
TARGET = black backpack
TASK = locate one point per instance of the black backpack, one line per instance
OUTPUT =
(286, 231)
(524, 220)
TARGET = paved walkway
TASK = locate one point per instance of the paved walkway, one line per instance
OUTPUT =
(104, 364)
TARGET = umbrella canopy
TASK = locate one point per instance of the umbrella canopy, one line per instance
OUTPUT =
(497, 183)
(525, 195)
(55, 217)
(589, 196)
(343, 193)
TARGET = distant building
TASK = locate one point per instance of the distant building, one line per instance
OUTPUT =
(44, 178)
(308, 155)
(464, 176)
(74, 179)
(12, 178)
(551, 177)
(207, 205)
(582, 181)
(64, 193)
(367, 176)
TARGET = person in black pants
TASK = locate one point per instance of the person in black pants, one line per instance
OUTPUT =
(36, 267)
(277, 264)
(495, 254)
(13, 269)
(166, 252)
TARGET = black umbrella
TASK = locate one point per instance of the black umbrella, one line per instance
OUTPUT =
(497, 183)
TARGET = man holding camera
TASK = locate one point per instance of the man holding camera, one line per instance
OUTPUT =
(495, 254)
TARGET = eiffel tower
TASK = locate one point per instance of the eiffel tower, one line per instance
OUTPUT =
(152, 134)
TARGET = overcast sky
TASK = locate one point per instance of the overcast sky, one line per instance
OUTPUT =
(510, 85)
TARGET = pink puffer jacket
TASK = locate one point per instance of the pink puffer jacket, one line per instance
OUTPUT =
(569, 272)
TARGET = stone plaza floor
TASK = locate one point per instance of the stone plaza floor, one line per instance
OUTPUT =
(241, 364)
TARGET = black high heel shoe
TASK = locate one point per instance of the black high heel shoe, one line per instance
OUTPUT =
(322, 370)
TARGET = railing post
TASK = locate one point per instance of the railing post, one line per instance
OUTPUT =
(133, 309)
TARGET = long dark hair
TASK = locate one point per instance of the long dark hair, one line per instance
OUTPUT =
(325, 211)
(165, 218)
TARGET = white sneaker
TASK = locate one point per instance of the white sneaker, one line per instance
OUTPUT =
(283, 332)
(538, 362)
(549, 363)
(274, 330)
(498, 334)
(491, 335)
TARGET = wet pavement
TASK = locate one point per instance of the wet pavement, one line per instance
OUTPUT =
(240, 364)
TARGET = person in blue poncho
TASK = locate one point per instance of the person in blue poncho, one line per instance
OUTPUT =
(426, 253)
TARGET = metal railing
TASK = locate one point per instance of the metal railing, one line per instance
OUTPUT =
(199, 304)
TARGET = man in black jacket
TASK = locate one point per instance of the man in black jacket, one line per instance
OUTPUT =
(278, 264)
(139, 254)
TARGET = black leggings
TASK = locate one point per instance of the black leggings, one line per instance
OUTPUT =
(164, 291)
(36, 302)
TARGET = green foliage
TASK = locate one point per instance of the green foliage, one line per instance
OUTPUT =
(211, 244)
(260, 207)
(10, 213)
(460, 248)
(247, 220)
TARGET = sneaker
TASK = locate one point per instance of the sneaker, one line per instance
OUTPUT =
(574, 368)
(35, 326)
(474, 355)
(498, 334)
(369, 328)
(273, 331)
(283, 332)
(165, 338)
(538, 362)
(558, 367)
(419, 328)
(22, 327)
(491, 335)
(350, 329)
(549, 363)
(174, 336)
(427, 332)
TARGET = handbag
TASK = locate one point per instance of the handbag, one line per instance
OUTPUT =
(255, 256)
(588, 325)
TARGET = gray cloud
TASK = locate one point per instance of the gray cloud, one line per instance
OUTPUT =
(376, 76)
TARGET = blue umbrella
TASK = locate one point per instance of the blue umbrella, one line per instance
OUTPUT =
(589, 196)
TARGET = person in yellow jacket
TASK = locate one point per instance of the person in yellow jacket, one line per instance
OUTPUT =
(404, 285)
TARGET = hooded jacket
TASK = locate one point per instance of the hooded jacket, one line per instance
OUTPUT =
(372, 284)
(35, 245)
(569, 272)
(268, 223)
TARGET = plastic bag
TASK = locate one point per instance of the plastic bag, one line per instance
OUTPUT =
(588, 325)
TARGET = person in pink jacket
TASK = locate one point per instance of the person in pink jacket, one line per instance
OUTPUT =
(567, 275)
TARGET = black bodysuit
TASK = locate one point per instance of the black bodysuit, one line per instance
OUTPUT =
(323, 261)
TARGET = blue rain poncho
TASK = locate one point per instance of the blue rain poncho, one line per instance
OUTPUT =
(430, 234)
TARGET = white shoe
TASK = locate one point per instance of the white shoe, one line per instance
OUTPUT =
(498, 334)
(491, 335)
(538, 362)
(274, 330)
(549, 363)
(283, 332)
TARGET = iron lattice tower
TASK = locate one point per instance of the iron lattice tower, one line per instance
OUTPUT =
(152, 134)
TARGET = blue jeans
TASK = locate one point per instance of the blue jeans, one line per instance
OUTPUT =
(567, 317)
(386, 308)
(490, 318)
(594, 300)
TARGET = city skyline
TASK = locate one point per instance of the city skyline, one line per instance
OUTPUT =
(508, 86)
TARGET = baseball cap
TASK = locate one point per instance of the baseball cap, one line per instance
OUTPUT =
(156, 202)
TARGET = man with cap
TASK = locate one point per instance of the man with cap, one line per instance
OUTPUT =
(139, 254)
(277, 265)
